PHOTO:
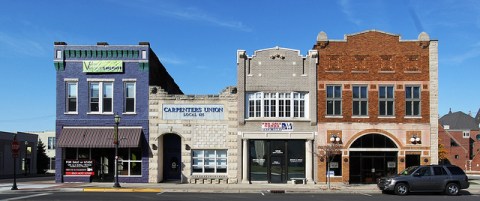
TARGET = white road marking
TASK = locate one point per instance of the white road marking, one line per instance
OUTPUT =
(27, 196)
(160, 193)
(366, 194)
(262, 193)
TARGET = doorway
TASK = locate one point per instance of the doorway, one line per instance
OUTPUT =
(276, 161)
(172, 160)
(104, 163)
(412, 160)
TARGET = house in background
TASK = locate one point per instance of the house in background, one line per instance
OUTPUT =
(459, 134)
(48, 139)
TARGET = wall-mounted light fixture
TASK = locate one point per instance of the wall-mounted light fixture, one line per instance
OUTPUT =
(154, 147)
(335, 139)
(415, 140)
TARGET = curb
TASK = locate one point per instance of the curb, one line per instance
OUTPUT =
(123, 190)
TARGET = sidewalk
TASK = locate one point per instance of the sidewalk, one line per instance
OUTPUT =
(204, 188)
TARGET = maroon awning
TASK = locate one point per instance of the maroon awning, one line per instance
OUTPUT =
(99, 137)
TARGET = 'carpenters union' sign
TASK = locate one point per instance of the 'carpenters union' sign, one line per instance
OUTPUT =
(182, 112)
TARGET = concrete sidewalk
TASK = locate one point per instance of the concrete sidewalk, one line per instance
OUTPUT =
(204, 188)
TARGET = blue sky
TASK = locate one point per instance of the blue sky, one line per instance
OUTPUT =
(197, 41)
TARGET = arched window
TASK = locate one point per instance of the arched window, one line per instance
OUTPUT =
(478, 137)
(373, 141)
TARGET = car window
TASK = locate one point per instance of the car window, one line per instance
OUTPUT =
(439, 171)
(408, 171)
(425, 171)
(455, 170)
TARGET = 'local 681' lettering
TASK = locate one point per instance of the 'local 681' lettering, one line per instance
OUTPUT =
(277, 126)
(183, 112)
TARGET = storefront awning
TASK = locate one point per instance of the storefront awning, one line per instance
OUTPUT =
(99, 137)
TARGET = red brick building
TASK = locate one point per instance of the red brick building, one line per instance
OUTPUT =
(378, 99)
(459, 134)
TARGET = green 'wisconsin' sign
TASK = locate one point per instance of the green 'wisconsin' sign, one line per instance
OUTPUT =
(110, 66)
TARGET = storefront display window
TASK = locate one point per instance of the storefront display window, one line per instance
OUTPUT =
(209, 161)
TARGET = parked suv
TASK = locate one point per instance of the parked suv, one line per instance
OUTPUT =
(431, 178)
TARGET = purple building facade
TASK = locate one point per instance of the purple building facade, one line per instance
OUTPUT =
(94, 83)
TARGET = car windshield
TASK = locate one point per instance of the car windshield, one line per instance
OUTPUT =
(408, 171)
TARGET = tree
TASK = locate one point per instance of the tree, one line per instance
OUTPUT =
(328, 153)
(42, 158)
(442, 153)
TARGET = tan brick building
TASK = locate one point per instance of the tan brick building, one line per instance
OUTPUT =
(377, 98)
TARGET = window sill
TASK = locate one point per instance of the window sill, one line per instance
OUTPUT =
(387, 117)
(70, 113)
(334, 117)
(412, 117)
(99, 113)
(129, 175)
(129, 113)
(360, 117)
(275, 119)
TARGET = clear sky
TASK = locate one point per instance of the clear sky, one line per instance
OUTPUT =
(197, 41)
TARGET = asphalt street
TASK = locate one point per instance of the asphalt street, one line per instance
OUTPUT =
(261, 196)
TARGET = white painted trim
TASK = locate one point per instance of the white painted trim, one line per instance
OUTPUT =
(373, 149)
(129, 79)
(70, 79)
(102, 127)
(100, 79)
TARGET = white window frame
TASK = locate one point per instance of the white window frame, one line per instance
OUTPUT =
(51, 144)
(67, 96)
(256, 105)
(334, 99)
(125, 97)
(413, 100)
(201, 158)
(129, 161)
(386, 100)
(466, 134)
(359, 100)
(101, 88)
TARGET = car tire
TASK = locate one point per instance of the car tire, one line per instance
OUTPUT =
(386, 192)
(401, 189)
(452, 189)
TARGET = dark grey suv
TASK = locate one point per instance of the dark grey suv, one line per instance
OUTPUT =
(432, 178)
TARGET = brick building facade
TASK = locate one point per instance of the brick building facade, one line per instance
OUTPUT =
(94, 83)
(276, 114)
(376, 93)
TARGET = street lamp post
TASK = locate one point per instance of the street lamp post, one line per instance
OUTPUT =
(116, 141)
(25, 160)
(335, 140)
(15, 148)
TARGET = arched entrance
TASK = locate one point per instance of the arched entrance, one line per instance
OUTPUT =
(172, 161)
(372, 156)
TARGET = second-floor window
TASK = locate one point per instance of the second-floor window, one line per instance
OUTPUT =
(412, 100)
(386, 101)
(71, 105)
(334, 100)
(129, 103)
(51, 143)
(360, 101)
(101, 97)
(277, 104)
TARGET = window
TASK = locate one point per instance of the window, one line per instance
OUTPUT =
(52, 164)
(209, 161)
(105, 103)
(455, 170)
(466, 134)
(453, 143)
(129, 104)
(424, 171)
(334, 100)
(335, 164)
(130, 161)
(51, 143)
(283, 105)
(439, 171)
(386, 101)
(59, 54)
(71, 97)
(360, 101)
(457, 156)
(412, 100)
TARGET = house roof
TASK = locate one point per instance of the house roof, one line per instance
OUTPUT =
(459, 121)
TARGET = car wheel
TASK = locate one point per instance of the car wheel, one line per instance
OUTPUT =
(452, 189)
(401, 189)
(386, 192)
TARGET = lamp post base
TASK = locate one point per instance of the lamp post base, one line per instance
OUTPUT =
(116, 185)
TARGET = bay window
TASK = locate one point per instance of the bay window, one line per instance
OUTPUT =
(277, 104)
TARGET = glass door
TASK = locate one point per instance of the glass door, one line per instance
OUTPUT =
(277, 161)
